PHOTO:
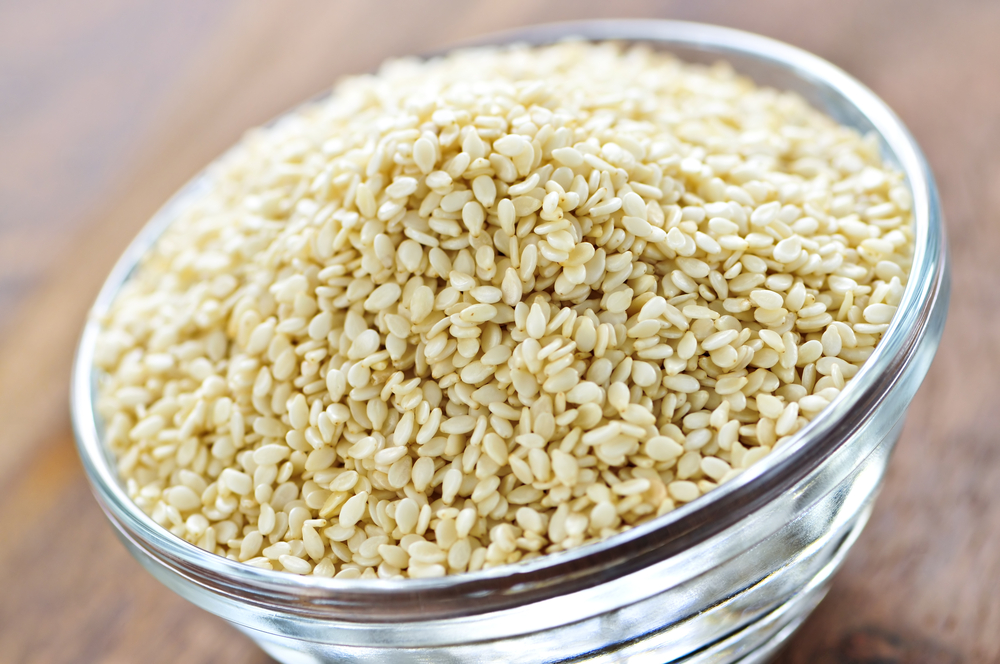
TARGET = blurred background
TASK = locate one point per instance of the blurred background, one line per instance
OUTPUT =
(108, 106)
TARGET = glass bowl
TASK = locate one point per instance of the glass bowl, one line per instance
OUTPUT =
(725, 578)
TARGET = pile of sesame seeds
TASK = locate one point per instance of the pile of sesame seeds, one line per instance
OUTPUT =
(477, 309)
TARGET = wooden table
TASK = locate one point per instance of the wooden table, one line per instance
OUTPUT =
(108, 106)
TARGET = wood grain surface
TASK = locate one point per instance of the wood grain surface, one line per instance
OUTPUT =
(108, 106)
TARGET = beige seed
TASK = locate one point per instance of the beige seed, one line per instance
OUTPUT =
(754, 455)
(364, 345)
(511, 287)
(485, 190)
(568, 156)
(637, 226)
(683, 491)
(788, 250)
(766, 299)
(633, 205)
(424, 155)
(786, 423)
(682, 383)
(183, 498)
(562, 381)
(809, 352)
(477, 336)
(511, 145)
(237, 482)
(643, 374)
(426, 552)
(662, 448)
(473, 217)
(353, 509)
(270, 454)
(535, 325)
(407, 513)
(631, 487)
(879, 313)
(603, 515)
(619, 301)
(832, 343)
(365, 200)
(765, 214)
(478, 313)
(730, 384)
(719, 339)
(715, 468)
(769, 406)
(382, 297)
(320, 459)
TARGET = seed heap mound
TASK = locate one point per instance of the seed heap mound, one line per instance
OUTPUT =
(469, 311)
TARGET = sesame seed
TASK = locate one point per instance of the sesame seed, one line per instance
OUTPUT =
(477, 328)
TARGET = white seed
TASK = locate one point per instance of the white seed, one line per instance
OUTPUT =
(683, 491)
(353, 509)
(271, 454)
(237, 482)
(788, 249)
(511, 145)
(535, 325)
(183, 498)
(468, 328)
(769, 406)
(682, 383)
(568, 156)
(715, 468)
(719, 339)
(662, 448)
(294, 564)
(766, 299)
(879, 313)
(424, 155)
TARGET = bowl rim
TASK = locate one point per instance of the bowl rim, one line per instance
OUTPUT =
(637, 547)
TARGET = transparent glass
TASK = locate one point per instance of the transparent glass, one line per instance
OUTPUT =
(726, 578)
